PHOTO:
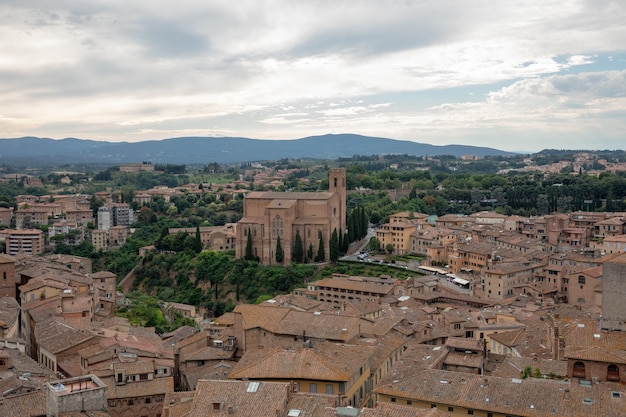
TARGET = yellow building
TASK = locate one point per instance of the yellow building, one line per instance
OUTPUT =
(396, 234)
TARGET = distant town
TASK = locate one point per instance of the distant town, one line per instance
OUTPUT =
(426, 287)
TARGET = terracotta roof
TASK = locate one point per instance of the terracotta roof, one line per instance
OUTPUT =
(465, 344)
(240, 398)
(211, 353)
(25, 405)
(395, 410)
(318, 405)
(178, 404)
(328, 362)
(595, 354)
(512, 366)
(618, 258)
(471, 360)
(57, 337)
(6, 259)
(511, 396)
(9, 309)
(317, 325)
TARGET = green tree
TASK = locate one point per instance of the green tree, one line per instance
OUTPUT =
(280, 254)
(363, 223)
(197, 243)
(213, 267)
(249, 256)
(298, 249)
(309, 253)
(321, 254)
(334, 246)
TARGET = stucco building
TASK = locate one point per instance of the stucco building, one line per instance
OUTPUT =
(29, 241)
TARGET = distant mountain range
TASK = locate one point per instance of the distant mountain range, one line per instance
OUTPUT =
(203, 150)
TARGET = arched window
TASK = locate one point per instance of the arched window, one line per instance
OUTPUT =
(579, 370)
(335, 181)
(612, 373)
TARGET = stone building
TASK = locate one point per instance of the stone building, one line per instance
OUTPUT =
(613, 292)
(272, 216)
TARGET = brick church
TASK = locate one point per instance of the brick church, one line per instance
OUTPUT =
(269, 215)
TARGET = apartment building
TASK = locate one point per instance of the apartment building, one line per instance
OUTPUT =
(99, 239)
(433, 243)
(610, 227)
(613, 244)
(29, 217)
(504, 281)
(28, 241)
(420, 219)
(396, 235)
(470, 256)
(118, 235)
(115, 214)
(80, 216)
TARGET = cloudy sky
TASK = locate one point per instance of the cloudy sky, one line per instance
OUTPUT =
(515, 75)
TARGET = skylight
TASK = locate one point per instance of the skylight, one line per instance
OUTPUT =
(253, 386)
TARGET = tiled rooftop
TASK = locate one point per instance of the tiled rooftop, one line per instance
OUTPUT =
(327, 362)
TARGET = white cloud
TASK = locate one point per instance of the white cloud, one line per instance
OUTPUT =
(103, 69)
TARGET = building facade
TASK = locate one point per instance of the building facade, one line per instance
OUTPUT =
(273, 216)
(29, 241)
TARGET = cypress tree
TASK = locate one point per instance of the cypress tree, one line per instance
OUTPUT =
(364, 222)
(280, 255)
(309, 254)
(334, 246)
(249, 256)
(197, 244)
(298, 250)
(345, 245)
(321, 254)
(340, 244)
(351, 227)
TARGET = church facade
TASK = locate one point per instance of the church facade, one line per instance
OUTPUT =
(270, 216)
